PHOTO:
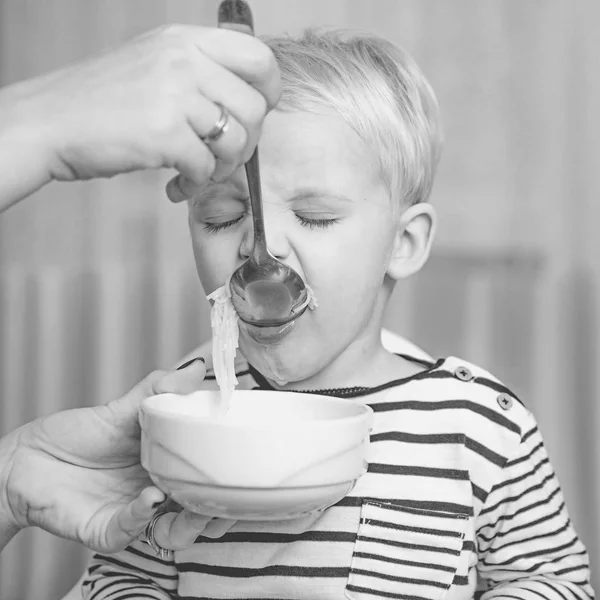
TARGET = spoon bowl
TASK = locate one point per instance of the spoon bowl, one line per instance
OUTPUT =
(266, 292)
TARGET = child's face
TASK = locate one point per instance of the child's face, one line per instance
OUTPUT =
(327, 216)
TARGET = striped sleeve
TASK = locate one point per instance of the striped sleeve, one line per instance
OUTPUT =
(133, 573)
(528, 548)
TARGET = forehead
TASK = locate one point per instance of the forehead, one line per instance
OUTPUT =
(304, 149)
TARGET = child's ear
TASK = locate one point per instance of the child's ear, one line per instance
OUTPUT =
(415, 231)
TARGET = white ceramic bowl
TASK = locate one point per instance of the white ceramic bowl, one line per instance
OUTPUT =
(273, 456)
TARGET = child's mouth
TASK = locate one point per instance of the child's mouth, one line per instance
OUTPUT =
(267, 335)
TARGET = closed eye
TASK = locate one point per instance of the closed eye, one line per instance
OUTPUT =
(317, 223)
(219, 226)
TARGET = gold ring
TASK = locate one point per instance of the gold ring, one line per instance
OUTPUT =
(220, 127)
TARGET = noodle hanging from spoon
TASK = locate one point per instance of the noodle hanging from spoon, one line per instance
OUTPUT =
(224, 322)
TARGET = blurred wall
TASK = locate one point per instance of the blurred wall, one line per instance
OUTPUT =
(97, 284)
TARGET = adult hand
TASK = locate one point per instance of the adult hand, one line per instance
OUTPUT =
(77, 474)
(146, 104)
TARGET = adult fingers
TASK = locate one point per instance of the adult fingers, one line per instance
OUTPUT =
(230, 147)
(180, 188)
(185, 380)
(245, 103)
(246, 56)
(124, 411)
(178, 531)
(193, 158)
(130, 521)
(237, 27)
(218, 528)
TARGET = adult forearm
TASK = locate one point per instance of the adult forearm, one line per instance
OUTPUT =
(7, 531)
(24, 149)
(8, 525)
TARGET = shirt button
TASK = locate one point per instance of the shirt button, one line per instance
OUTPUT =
(463, 374)
(504, 401)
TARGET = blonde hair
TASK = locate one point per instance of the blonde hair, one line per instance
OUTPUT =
(379, 90)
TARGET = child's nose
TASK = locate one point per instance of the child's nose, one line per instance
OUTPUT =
(277, 241)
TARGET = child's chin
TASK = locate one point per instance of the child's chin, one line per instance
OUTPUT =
(267, 336)
(280, 362)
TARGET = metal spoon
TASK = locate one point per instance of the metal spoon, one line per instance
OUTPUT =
(265, 292)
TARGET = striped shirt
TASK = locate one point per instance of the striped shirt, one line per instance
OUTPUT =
(459, 500)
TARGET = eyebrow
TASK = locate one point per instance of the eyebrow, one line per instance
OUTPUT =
(312, 193)
(216, 191)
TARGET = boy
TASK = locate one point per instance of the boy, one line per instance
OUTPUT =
(459, 495)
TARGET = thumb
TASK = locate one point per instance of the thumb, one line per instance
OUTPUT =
(185, 380)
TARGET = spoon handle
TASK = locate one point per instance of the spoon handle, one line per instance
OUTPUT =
(236, 14)
(253, 176)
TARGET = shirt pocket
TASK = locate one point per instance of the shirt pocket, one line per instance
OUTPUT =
(405, 553)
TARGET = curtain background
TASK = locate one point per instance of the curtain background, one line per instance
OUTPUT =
(97, 285)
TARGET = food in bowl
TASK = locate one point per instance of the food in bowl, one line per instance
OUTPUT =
(273, 456)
